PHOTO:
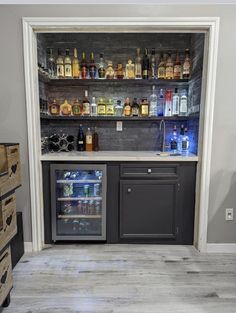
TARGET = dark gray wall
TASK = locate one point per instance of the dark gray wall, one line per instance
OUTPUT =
(13, 111)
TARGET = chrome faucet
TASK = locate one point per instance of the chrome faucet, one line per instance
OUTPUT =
(163, 125)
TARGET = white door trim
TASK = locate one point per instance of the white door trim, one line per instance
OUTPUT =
(32, 25)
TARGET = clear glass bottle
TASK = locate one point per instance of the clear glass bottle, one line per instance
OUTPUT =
(174, 141)
(68, 64)
(101, 68)
(110, 71)
(51, 64)
(127, 107)
(187, 65)
(175, 103)
(169, 67)
(92, 67)
(185, 142)
(118, 108)
(153, 65)
(84, 67)
(110, 107)
(86, 104)
(65, 108)
(161, 103)
(161, 70)
(75, 65)
(153, 103)
(144, 107)
(89, 140)
(60, 65)
(181, 134)
(177, 68)
(101, 106)
(183, 106)
(129, 70)
(94, 107)
(138, 65)
(135, 108)
(168, 103)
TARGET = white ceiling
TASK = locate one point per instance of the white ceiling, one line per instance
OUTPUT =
(139, 2)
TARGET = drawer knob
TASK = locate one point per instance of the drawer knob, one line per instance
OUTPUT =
(149, 171)
(129, 190)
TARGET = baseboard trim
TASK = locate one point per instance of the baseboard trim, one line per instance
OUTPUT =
(221, 247)
(28, 246)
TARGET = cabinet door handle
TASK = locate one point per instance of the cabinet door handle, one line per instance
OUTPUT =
(149, 171)
(129, 190)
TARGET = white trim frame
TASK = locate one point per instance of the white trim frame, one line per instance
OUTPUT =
(172, 24)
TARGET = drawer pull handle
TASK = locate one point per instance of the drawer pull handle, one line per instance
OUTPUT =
(9, 220)
(13, 169)
(149, 171)
(14, 150)
(4, 277)
(4, 256)
(129, 190)
(9, 201)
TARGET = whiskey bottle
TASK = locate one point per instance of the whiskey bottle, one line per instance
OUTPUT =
(110, 107)
(129, 70)
(77, 108)
(81, 139)
(92, 67)
(94, 107)
(67, 64)
(89, 140)
(54, 108)
(168, 103)
(86, 104)
(175, 103)
(65, 108)
(60, 65)
(51, 64)
(169, 67)
(75, 65)
(138, 65)
(109, 71)
(145, 65)
(161, 71)
(119, 71)
(174, 141)
(135, 108)
(101, 106)
(127, 107)
(101, 68)
(84, 67)
(177, 68)
(153, 65)
(95, 140)
(187, 65)
(144, 107)
(183, 106)
(153, 103)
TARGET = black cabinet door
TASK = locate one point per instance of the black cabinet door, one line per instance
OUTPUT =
(148, 209)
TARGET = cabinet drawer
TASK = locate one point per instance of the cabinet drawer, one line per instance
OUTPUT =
(8, 219)
(150, 170)
(5, 274)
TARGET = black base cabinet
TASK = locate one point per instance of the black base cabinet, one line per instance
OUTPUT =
(147, 202)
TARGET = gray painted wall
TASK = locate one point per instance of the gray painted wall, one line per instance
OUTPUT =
(13, 110)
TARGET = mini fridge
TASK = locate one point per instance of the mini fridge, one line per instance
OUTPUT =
(78, 202)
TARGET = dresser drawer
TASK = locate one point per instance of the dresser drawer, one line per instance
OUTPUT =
(151, 170)
(6, 281)
(8, 219)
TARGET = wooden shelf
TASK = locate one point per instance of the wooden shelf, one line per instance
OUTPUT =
(79, 216)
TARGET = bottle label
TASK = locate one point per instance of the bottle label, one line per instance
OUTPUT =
(144, 109)
(186, 68)
(60, 70)
(177, 71)
(84, 72)
(183, 106)
(175, 105)
(101, 109)
(185, 145)
(80, 142)
(127, 110)
(53, 109)
(110, 109)
(89, 139)
(68, 72)
(169, 72)
(101, 72)
(92, 72)
(173, 145)
(161, 72)
(86, 108)
(76, 71)
(145, 72)
(135, 111)
(138, 70)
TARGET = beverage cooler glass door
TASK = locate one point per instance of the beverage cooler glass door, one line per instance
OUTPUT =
(78, 200)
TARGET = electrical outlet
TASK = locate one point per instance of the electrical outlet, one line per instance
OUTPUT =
(229, 214)
(119, 126)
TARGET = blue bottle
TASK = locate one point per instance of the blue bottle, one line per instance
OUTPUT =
(160, 103)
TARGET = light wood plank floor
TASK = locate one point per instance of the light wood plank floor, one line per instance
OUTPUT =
(124, 279)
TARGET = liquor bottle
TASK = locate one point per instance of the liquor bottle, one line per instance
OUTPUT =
(77, 108)
(110, 107)
(101, 68)
(127, 107)
(51, 64)
(175, 103)
(65, 108)
(54, 108)
(138, 65)
(161, 70)
(95, 140)
(153, 65)
(101, 106)
(75, 65)
(144, 107)
(86, 104)
(160, 103)
(92, 67)
(135, 108)
(84, 67)
(94, 107)
(183, 106)
(185, 143)
(145, 64)
(174, 141)
(168, 103)
(81, 139)
(153, 103)
(118, 108)
(187, 65)
(129, 70)
(177, 68)
(67, 64)
(109, 71)
(169, 67)
(60, 65)
(181, 134)
(89, 140)
(119, 71)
